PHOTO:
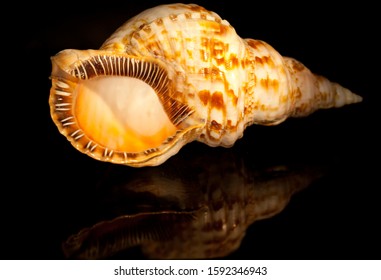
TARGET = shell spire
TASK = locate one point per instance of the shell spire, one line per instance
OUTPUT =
(317, 92)
(174, 74)
(283, 87)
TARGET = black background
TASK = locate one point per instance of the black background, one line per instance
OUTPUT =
(51, 185)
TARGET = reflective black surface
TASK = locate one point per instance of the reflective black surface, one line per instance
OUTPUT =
(196, 206)
(56, 191)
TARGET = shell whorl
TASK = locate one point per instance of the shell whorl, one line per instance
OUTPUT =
(204, 58)
(282, 87)
(210, 83)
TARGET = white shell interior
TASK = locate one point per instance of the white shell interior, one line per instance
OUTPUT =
(121, 113)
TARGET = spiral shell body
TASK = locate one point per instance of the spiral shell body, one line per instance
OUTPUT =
(210, 85)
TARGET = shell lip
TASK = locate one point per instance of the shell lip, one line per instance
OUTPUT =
(70, 67)
(149, 157)
(63, 116)
(156, 156)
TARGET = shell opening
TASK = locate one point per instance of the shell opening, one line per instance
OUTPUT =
(121, 113)
(117, 108)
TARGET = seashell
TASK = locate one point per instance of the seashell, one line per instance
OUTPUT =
(174, 74)
(188, 209)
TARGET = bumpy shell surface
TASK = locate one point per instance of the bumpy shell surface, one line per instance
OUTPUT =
(174, 74)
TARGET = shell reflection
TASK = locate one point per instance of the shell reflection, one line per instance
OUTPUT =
(201, 209)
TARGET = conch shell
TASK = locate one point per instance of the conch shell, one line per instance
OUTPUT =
(174, 74)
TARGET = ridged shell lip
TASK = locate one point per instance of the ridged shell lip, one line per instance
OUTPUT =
(73, 111)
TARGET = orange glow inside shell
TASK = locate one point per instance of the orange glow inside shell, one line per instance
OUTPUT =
(121, 113)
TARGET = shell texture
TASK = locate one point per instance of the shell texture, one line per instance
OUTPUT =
(174, 74)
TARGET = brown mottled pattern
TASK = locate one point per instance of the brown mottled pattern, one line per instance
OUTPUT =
(198, 63)
(264, 89)
(204, 96)
(217, 101)
(218, 83)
